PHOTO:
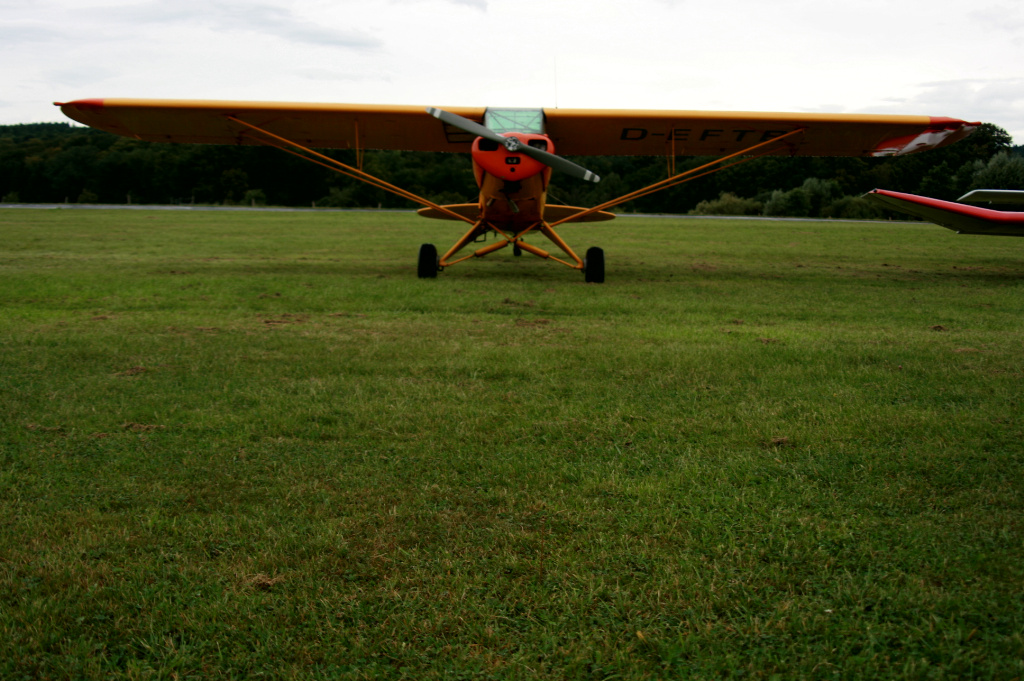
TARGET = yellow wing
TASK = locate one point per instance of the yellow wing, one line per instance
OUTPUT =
(713, 133)
(590, 132)
(344, 126)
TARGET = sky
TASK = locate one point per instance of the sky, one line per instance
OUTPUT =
(932, 57)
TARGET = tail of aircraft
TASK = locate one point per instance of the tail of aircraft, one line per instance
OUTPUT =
(959, 217)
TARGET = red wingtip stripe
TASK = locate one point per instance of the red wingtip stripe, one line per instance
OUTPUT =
(946, 123)
(84, 104)
(986, 214)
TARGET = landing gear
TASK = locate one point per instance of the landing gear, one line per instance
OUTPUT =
(427, 267)
(593, 266)
(430, 264)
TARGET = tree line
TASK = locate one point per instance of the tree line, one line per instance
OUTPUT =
(62, 163)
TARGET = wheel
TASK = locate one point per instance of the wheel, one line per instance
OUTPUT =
(593, 266)
(427, 267)
(516, 251)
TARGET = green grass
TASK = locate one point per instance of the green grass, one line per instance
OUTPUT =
(236, 444)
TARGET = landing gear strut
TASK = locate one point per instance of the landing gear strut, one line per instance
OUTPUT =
(427, 267)
(430, 264)
(593, 266)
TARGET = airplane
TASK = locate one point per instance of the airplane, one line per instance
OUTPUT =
(960, 218)
(513, 151)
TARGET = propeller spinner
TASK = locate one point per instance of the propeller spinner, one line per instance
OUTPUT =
(514, 145)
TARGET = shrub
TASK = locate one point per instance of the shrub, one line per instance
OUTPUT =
(255, 197)
(853, 208)
(796, 203)
(728, 203)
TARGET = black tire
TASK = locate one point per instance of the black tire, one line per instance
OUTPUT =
(593, 266)
(516, 251)
(427, 267)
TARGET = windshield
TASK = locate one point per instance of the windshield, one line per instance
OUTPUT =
(515, 120)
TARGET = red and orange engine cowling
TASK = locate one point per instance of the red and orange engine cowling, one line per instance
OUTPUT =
(494, 159)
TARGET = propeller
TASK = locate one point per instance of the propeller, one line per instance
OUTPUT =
(514, 145)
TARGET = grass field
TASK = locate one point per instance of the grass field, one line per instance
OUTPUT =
(242, 444)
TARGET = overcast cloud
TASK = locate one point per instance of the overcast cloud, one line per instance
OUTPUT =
(913, 56)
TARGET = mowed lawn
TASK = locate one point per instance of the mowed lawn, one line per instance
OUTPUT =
(238, 444)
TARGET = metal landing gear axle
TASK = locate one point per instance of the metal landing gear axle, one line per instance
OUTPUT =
(593, 265)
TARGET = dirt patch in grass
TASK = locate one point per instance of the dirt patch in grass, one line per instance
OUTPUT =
(141, 427)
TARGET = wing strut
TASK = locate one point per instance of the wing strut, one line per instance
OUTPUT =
(685, 176)
(296, 149)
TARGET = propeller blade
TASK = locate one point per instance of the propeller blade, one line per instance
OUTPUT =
(514, 145)
(467, 125)
(562, 165)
